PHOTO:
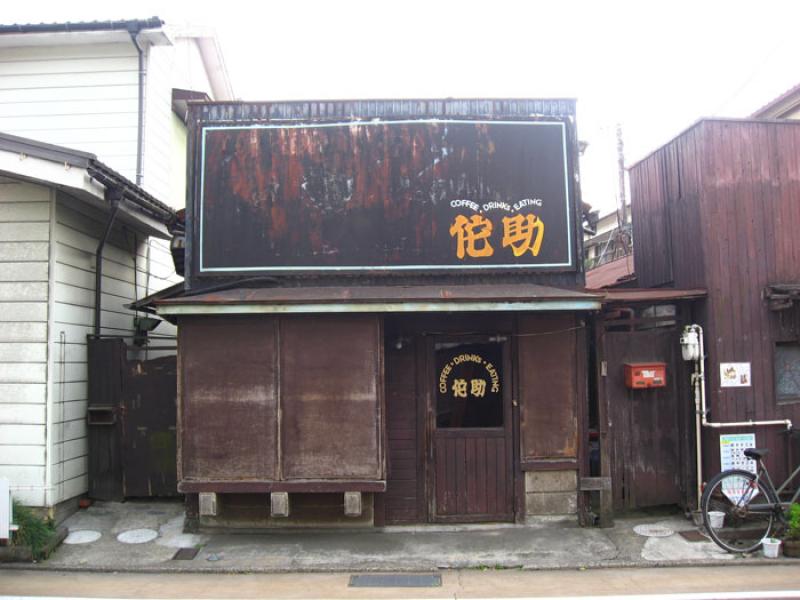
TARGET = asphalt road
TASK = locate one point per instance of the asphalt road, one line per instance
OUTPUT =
(734, 582)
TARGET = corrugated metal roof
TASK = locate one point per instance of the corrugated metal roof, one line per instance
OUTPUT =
(390, 109)
(610, 273)
(378, 294)
(122, 25)
(651, 295)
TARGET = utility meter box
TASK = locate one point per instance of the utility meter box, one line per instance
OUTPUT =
(645, 375)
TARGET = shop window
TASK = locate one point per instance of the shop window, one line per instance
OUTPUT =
(469, 380)
(787, 372)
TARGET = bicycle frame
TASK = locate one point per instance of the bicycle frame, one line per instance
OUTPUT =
(775, 506)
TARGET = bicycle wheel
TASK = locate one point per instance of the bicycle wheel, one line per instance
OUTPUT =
(736, 511)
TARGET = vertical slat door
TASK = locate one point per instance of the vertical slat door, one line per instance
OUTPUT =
(471, 434)
(472, 476)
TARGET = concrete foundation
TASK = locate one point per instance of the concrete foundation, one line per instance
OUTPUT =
(253, 512)
(551, 493)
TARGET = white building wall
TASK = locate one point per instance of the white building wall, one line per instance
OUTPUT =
(25, 215)
(80, 96)
(133, 266)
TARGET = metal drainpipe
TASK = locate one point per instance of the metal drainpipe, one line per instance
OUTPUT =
(140, 133)
(116, 202)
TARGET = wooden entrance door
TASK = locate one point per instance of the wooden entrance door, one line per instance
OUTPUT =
(649, 452)
(471, 442)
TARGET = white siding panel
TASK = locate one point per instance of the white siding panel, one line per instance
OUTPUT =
(23, 332)
(24, 311)
(86, 139)
(22, 392)
(25, 232)
(72, 107)
(22, 414)
(22, 292)
(68, 52)
(88, 121)
(74, 449)
(75, 66)
(23, 373)
(29, 496)
(31, 435)
(22, 352)
(75, 487)
(24, 271)
(22, 455)
(24, 251)
(75, 467)
(66, 94)
(71, 411)
(24, 212)
(68, 80)
(23, 476)
(24, 193)
(71, 392)
(73, 430)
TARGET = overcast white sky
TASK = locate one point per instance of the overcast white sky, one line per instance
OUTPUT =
(655, 67)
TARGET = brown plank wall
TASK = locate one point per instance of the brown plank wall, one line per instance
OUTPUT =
(321, 396)
(548, 378)
(718, 208)
(549, 391)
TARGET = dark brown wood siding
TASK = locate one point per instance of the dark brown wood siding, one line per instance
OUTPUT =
(228, 419)
(741, 237)
(322, 375)
(548, 375)
(403, 493)
(331, 381)
(666, 217)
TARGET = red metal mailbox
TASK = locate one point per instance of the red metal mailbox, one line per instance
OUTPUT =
(645, 375)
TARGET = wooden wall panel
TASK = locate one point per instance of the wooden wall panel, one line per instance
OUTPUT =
(731, 189)
(228, 417)
(331, 387)
(548, 388)
(402, 486)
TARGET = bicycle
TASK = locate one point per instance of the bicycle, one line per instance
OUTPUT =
(740, 508)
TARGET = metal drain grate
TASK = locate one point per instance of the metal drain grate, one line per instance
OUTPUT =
(396, 581)
(186, 554)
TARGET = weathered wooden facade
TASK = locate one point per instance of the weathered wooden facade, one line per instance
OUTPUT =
(384, 318)
(717, 208)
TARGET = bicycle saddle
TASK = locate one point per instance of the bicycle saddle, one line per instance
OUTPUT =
(756, 453)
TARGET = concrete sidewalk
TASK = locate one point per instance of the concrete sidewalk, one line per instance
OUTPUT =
(157, 527)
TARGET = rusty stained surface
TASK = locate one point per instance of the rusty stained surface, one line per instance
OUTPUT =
(548, 387)
(229, 398)
(381, 194)
(325, 385)
(331, 398)
(378, 294)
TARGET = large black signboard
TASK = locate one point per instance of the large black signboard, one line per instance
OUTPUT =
(384, 195)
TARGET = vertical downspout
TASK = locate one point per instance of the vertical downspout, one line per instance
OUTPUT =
(140, 133)
(116, 201)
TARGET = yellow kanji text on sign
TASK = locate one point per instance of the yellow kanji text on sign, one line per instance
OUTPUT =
(472, 236)
(523, 233)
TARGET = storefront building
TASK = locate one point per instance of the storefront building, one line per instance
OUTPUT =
(383, 319)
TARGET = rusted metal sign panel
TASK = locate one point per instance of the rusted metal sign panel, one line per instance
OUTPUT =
(392, 195)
